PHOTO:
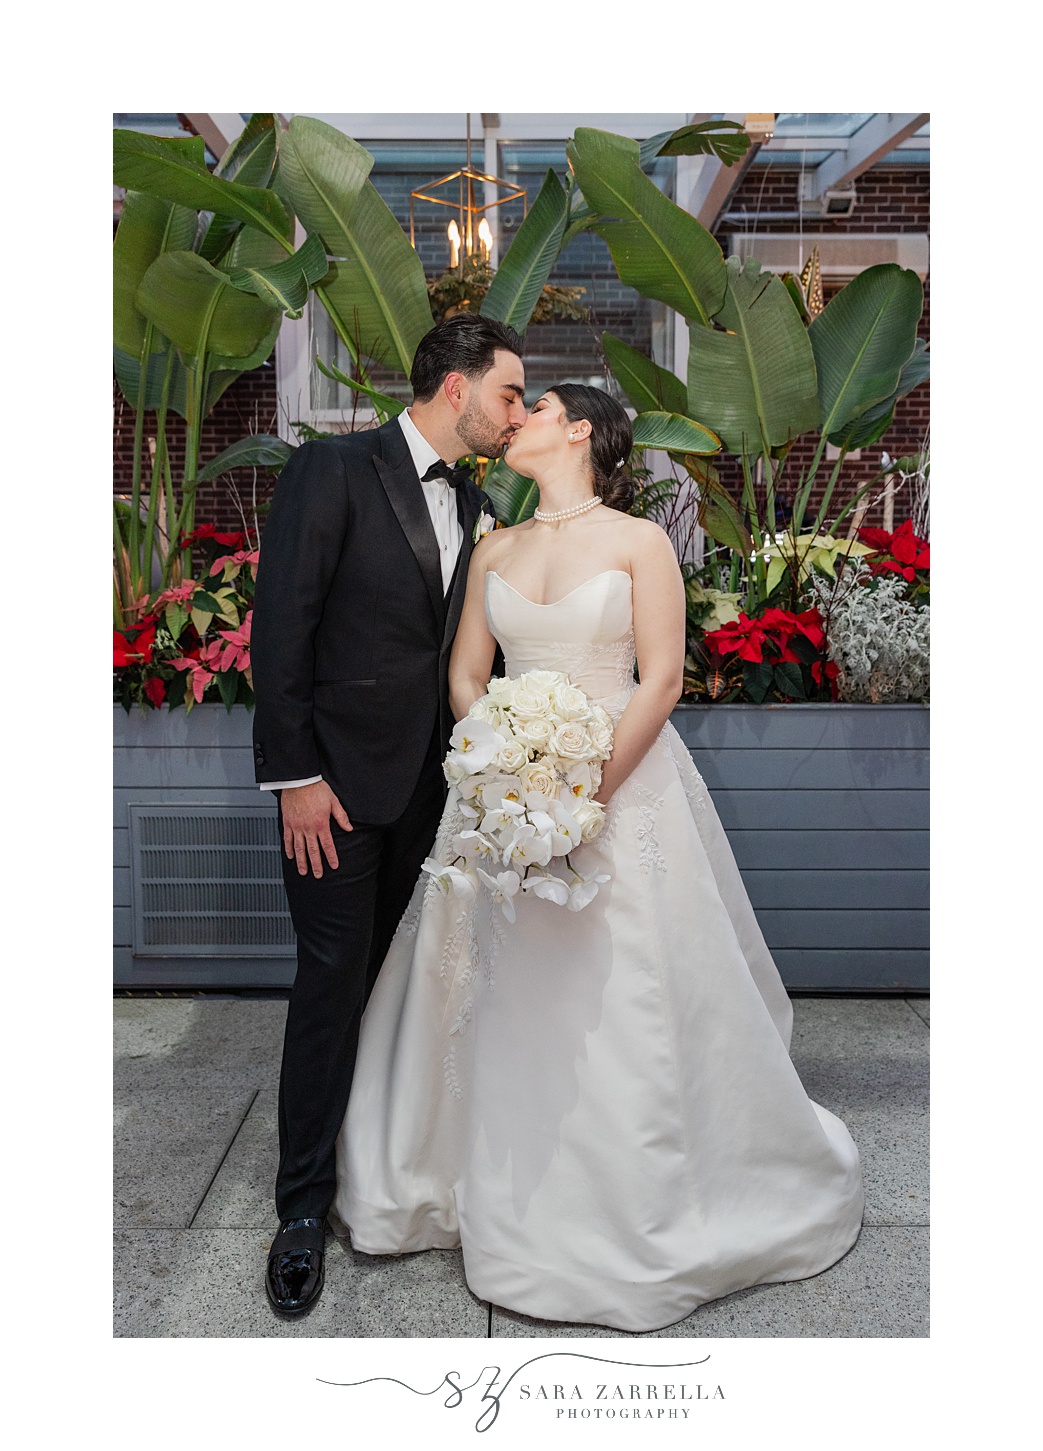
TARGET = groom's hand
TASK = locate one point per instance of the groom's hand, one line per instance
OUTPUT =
(306, 812)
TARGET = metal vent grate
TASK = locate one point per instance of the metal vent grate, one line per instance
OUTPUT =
(207, 882)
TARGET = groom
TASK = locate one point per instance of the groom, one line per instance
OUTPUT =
(364, 565)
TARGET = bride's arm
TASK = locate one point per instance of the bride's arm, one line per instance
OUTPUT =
(474, 647)
(659, 638)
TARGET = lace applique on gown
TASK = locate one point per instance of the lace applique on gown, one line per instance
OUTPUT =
(598, 1107)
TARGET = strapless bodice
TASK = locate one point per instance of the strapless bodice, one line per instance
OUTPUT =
(588, 634)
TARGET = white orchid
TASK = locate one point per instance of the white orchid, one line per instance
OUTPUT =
(585, 890)
(473, 744)
(463, 885)
(528, 847)
(474, 846)
(502, 888)
(548, 886)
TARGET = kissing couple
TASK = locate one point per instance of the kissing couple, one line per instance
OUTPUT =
(597, 1107)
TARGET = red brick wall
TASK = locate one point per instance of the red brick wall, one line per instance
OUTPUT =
(891, 199)
(248, 406)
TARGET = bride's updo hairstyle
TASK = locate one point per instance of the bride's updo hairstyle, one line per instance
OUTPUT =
(611, 439)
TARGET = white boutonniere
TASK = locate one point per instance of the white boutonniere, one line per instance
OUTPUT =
(485, 524)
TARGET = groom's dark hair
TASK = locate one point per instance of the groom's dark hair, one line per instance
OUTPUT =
(464, 344)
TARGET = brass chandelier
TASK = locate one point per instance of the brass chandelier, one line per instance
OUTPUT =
(468, 232)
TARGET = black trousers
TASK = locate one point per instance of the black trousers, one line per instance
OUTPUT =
(344, 922)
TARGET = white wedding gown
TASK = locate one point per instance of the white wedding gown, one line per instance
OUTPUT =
(599, 1107)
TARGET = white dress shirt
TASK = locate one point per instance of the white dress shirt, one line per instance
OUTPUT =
(441, 505)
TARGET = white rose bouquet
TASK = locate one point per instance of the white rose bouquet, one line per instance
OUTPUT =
(526, 761)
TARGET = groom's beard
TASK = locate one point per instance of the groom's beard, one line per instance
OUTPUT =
(479, 434)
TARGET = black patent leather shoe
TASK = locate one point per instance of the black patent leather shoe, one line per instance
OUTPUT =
(296, 1269)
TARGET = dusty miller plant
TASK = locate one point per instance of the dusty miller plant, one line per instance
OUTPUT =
(879, 641)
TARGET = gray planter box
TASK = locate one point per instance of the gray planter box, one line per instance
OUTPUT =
(826, 808)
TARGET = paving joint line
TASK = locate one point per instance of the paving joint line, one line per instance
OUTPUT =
(224, 1156)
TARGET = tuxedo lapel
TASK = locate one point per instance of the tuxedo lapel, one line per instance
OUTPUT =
(468, 507)
(394, 466)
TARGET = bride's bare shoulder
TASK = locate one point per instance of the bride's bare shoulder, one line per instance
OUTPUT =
(639, 533)
(497, 543)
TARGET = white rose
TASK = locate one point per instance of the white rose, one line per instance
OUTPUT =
(512, 756)
(501, 690)
(528, 703)
(600, 734)
(571, 703)
(540, 777)
(590, 818)
(536, 732)
(571, 741)
(544, 681)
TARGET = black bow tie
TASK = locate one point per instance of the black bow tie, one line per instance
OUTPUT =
(453, 475)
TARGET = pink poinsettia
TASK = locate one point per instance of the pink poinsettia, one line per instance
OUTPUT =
(236, 654)
(204, 665)
(180, 594)
(235, 562)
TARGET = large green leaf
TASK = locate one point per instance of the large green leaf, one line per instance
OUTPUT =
(514, 496)
(160, 166)
(389, 406)
(862, 338)
(674, 433)
(250, 161)
(646, 385)
(147, 227)
(657, 248)
(755, 383)
(724, 139)
(194, 305)
(376, 288)
(127, 368)
(718, 514)
(874, 422)
(286, 284)
(257, 450)
(527, 264)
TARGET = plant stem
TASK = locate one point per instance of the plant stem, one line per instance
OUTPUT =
(758, 576)
(829, 490)
(134, 526)
(157, 473)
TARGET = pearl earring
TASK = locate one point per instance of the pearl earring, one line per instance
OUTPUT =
(571, 437)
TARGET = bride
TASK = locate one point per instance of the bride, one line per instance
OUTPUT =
(598, 1107)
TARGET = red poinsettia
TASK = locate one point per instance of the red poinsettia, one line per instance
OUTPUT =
(907, 552)
(231, 539)
(134, 646)
(743, 636)
(156, 690)
(774, 629)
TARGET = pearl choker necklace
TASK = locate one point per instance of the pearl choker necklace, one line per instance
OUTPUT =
(566, 513)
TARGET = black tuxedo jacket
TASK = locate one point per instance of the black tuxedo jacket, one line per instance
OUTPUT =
(351, 631)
